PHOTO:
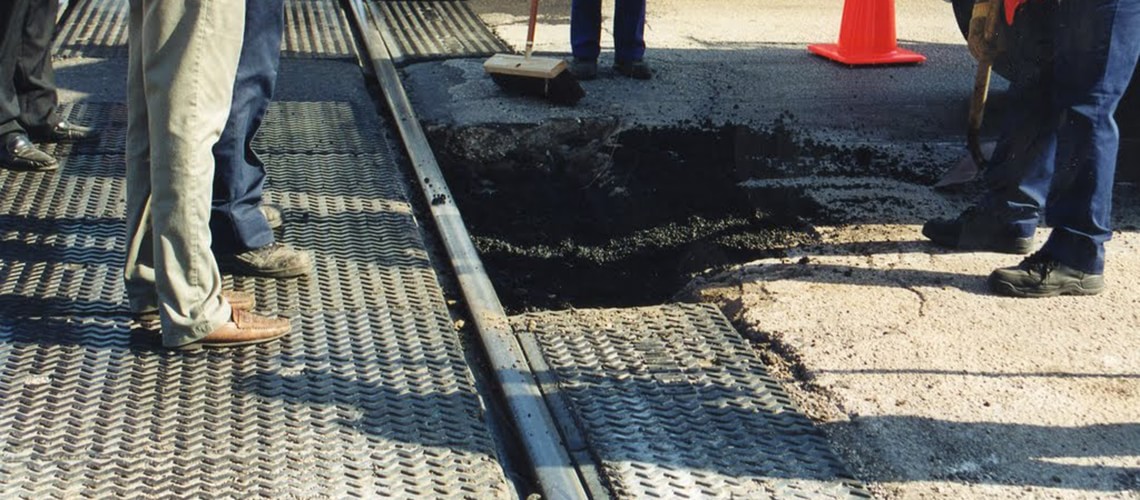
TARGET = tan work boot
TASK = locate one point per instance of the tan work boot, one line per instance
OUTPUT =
(244, 328)
(273, 214)
(238, 300)
(276, 260)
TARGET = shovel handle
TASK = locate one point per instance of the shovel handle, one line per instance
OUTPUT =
(530, 27)
(982, 87)
(978, 112)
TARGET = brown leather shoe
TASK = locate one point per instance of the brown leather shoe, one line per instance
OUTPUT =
(237, 299)
(240, 300)
(244, 328)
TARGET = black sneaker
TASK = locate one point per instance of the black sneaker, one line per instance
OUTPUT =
(584, 69)
(1040, 275)
(634, 69)
(975, 229)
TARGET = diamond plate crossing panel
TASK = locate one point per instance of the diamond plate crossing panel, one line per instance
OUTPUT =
(675, 404)
(314, 29)
(84, 187)
(422, 30)
(290, 127)
(361, 404)
(369, 396)
(61, 249)
(109, 118)
(319, 127)
(96, 28)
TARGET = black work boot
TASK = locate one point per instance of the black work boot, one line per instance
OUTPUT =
(634, 69)
(975, 229)
(18, 153)
(584, 69)
(1040, 275)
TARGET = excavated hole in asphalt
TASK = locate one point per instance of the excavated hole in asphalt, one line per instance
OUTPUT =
(582, 214)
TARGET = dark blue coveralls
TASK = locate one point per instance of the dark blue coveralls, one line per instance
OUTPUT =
(1059, 143)
(629, 29)
(236, 222)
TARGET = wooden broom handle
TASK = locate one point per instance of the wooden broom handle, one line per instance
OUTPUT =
(530, 27)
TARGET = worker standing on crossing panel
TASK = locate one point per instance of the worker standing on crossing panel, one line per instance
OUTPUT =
(183, 57)
(28, 97)
(241, 223)
(1058, 149)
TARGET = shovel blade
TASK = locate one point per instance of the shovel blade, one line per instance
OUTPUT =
(966, 170)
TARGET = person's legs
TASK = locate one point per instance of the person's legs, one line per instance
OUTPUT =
(1018, 181)
(138, 272)
(12, 14)
(586, 29)
(189, 53)
(1097, 43)
(1097, 46)
(243, 237)
(1018, 177)
(16, 150)
(236, 222)
(35, 78)
(629, 30)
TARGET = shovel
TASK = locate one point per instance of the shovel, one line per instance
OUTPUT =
(968, 169)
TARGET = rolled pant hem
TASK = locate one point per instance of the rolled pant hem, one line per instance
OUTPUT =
(199, 331)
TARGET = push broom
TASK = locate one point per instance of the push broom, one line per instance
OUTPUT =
(534, 76)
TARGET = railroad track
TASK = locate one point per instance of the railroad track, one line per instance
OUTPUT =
(374, 394)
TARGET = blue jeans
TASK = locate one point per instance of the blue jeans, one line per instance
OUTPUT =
(629, 29)
(1060, 143)
(236, 222)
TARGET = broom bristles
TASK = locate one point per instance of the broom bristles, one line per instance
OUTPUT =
(562, 89)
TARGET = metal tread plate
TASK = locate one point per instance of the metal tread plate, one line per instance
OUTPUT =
(313, 29)
(370, 396)
(423, 30)
(289, 127)
(361, 404)
(62, 235)
(674, 403)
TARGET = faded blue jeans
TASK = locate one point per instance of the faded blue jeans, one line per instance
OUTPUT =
(236, 222)
(1060, 141)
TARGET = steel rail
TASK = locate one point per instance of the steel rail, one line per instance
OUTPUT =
(554, 471)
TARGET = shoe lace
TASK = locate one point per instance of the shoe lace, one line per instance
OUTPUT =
(1040, 264)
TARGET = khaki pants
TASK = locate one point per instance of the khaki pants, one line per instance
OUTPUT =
(183, 60)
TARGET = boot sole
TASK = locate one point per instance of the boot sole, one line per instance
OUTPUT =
(244, 270)
(1016, 246)
(196, 346)
(1091, 287)
(30, 168)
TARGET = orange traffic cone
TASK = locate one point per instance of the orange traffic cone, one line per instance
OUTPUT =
(867, 36)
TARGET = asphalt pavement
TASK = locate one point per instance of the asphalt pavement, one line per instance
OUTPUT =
(929, 386)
